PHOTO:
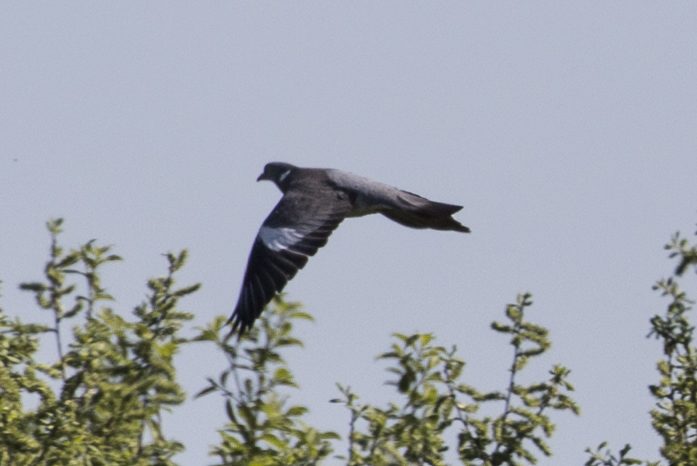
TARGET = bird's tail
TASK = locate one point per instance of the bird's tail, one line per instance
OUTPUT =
(419, 212)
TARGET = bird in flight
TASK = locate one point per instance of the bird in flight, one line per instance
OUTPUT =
(315, 201)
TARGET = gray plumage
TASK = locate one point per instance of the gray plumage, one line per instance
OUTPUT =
(315, 201)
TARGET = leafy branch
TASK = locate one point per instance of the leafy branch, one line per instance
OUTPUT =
(263, 429)
(116, 376)
(428, 376)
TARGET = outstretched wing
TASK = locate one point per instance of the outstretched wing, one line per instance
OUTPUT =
(298, 226)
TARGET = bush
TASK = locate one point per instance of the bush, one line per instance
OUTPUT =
(100, 402)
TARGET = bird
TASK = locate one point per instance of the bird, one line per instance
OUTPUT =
(315, 201)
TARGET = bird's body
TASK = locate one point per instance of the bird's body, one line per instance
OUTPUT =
(315, 201)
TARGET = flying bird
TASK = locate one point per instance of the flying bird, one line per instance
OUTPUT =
(315, 201)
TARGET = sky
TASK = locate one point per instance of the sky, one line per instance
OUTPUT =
(566, 130)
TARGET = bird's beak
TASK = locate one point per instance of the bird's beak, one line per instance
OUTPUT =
(262, 177)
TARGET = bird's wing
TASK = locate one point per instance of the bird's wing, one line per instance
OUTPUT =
(297, 227)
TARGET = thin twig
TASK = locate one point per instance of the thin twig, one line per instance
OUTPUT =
(511, 383)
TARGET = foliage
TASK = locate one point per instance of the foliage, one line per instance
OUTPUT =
(428, 377)
(603, 456)
(100, 401)
(263, 430)
(675, 414)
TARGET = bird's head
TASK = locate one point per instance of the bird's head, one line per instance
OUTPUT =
(279, 173)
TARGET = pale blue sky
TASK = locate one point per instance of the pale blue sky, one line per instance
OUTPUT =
(567, 131)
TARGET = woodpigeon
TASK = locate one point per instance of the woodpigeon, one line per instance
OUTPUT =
(315, 201)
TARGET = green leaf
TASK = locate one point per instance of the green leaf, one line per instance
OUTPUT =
(206, 391)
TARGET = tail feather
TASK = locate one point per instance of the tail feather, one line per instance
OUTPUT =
(420, 205)
(419, 220)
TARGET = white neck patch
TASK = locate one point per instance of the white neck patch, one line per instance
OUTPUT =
(283, 176)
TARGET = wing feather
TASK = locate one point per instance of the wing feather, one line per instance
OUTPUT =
(298, 226)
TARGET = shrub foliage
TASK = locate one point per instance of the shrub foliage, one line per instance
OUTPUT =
(100, 400)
